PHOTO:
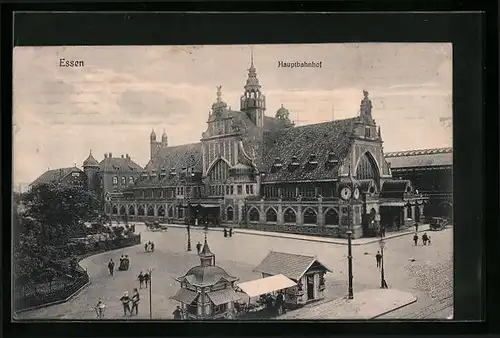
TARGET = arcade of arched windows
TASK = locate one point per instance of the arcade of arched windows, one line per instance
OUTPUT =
(308, 216)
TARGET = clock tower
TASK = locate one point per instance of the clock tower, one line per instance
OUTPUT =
(253, 102)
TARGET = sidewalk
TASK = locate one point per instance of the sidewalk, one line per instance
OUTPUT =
(369, 304)
(340, 241)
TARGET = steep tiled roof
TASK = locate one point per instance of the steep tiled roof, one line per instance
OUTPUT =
(292, 266)
(181, 158)
(420, 158)
(320, 139)
(272, 123)
(55, 175)
(90, 161)
(206, 275)
(118, 163)
(395, 188)
(178, 157)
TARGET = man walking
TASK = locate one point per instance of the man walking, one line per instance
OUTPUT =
(415, 239)
(378, 257)
(198, 247)
(425, 238)
(111, 267)
(125, 299)
(146, 279)
(231, 232)
(141, 279)
(152, 247)
(135, 302)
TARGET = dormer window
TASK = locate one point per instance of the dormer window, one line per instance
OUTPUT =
(144, 174)
(312, 159)
(277, 165)
(172, 172)
(294, 164)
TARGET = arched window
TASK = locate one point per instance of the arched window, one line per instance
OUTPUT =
(332, 217)
(271, 215)
(367, 168)
(170, 212)
(290, 216)
(115, 210)
(115, 179)
(151, 211)
(140, 211)
(161, 211)
(310, 216)
(131, 210)
(254, 215)
(181, 213)
(219, 171)
(123, 211)
(229, 214)
(131, 180)
(124, 180)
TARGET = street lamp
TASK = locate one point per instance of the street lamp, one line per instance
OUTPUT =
(348, 193)
(383, 284)
(189, 237)
(150, 297)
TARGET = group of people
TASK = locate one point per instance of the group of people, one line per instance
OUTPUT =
(274, 304)
(149, 247)
(124, 264)
(426, 240)
(127, 301)
(143, 279)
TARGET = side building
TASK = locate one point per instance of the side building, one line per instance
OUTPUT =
(264, 173)
(431, 172)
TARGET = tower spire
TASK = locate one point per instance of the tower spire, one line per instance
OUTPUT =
(251, 57)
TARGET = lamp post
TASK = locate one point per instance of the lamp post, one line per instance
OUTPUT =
(383, 284)
(349, 253)
(349, 192)
(189, 237)
(150, 297)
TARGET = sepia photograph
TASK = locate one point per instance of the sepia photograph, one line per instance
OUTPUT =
(233, 182)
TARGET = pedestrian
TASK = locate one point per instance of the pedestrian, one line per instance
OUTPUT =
(177, 313)
(125, 299)
(415, 239)
(429, 240)
(135, 302)
(225, 232)
(425, 238)
(280, 300)
(126, 262)
(378, 257)
(416, 226)
(152, 247)
(111, 267)
(99, 309)
(141, 279)
(231, 232)
(146, 279)
(145, 247)
(198, 247)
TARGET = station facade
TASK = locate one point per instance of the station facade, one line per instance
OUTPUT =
(265, 173)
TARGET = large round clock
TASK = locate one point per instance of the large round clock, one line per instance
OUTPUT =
(356, 193)
(346, 193)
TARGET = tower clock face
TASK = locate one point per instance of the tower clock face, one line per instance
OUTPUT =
(346, 193)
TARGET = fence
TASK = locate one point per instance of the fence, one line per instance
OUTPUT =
(68, 279)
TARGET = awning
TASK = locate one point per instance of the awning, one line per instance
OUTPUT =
(266, 285)
(185, 296)
(210, 205)
(223, 296)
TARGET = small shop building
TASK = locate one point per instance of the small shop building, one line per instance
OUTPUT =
(307, 273)
(207, 291)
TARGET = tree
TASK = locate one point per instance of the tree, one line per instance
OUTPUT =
(44, 220)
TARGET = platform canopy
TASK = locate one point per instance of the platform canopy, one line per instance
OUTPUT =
(262, 286)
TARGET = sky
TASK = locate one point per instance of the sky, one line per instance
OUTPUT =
(112, 103)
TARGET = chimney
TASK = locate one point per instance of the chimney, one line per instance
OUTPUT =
(105, 155)
(110, 155)
(122, 155)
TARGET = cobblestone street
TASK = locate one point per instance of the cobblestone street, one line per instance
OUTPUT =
(425, 271)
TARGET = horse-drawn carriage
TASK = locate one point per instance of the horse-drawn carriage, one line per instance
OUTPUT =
(155, 226)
